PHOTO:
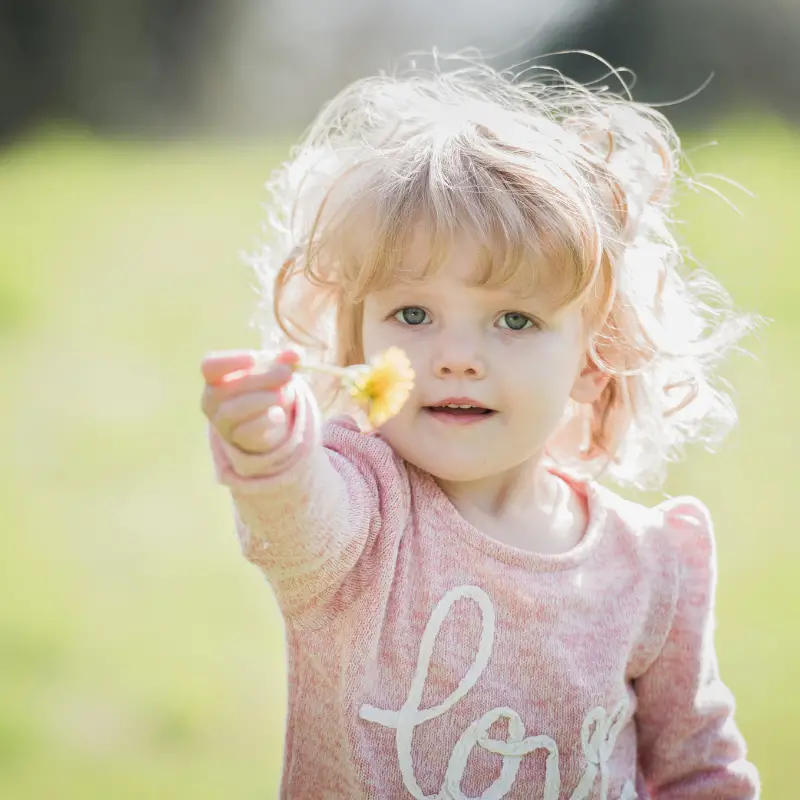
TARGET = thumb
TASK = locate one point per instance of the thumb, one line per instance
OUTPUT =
(289, 357)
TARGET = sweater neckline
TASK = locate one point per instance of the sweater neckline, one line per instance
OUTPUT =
(453, 523)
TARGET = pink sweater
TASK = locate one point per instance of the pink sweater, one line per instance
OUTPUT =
(428, 660)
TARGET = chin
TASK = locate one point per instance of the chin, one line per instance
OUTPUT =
(448, 464)
(459, 472)
(471, 458)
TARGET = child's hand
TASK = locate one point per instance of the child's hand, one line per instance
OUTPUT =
(250, 409)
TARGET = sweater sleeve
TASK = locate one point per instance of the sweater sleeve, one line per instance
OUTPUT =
(689, 745)
(326, 500)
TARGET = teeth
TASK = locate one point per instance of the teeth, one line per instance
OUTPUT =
(453, 405)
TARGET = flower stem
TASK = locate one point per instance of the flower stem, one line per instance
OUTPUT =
(262, 368)
(325, 369)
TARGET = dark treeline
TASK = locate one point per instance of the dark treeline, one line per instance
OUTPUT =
(107, 64)
(750, 51)
(146, 66)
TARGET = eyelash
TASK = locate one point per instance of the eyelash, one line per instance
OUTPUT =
(533, 322)
(396, 315)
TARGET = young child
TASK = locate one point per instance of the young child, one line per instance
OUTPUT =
(468, 613)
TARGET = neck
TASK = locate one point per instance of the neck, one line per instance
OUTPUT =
(527, 507)
(511, 493)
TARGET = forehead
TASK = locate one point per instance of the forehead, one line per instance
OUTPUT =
(463, 262)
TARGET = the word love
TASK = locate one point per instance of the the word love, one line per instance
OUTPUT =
(598, 733)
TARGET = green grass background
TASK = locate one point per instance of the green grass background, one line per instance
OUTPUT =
(140, 656)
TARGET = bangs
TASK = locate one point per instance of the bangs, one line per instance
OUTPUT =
(395, 219)
(555, 189)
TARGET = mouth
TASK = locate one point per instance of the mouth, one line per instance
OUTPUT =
(459, 409)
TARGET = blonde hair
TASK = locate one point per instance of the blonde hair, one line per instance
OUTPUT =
(563, 189)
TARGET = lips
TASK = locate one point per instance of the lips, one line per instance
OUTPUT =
(463, 408)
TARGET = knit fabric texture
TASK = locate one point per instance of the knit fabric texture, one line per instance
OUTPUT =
(428, 660)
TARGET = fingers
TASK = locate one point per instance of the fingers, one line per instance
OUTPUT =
(227, 413)
(241, 382)
(216, 365)
(250, 408)
(288, 357)
(255, 421)
(275, 382)
(221, 368)
(262, 434)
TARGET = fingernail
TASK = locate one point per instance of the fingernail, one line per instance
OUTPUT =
(276, 415)
(230, 377)
(288, 358)
(288, 396)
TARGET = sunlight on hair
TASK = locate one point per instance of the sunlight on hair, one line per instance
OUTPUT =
(565, 189)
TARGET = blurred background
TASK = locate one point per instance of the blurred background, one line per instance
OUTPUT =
(140, 656)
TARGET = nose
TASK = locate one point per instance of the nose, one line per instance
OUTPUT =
(459, 358)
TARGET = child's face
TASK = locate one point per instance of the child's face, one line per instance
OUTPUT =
(520, 357)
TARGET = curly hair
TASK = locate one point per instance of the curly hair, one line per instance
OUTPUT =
(564, 188)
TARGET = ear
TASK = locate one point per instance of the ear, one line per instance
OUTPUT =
(589, 383)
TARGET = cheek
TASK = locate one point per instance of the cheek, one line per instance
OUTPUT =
(379, 335)
(376, 333)
(544, 372)
(368, 330)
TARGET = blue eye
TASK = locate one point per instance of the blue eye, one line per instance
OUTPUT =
(515, 321)
(412, 315)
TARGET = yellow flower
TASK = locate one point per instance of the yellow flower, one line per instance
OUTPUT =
(379, 388)
(383, 386)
